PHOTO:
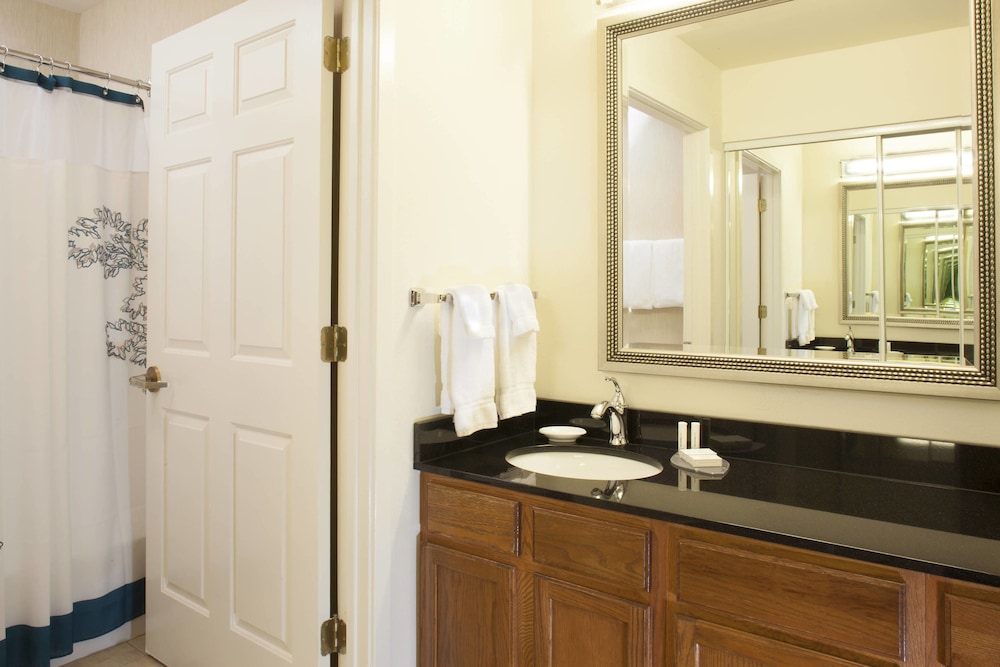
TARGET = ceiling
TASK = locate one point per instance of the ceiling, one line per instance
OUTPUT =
(76, 6)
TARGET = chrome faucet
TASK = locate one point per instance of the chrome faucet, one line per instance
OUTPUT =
(850, 340)
(616, 415)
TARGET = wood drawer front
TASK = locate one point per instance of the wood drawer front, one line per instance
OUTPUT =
(972, 632)
(597, 550)
(702, 644)
(810, 600)
(473, 518)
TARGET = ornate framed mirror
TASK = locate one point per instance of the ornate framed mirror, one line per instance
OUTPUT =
(768, 162)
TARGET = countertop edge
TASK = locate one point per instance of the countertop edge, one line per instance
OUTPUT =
(786, 539)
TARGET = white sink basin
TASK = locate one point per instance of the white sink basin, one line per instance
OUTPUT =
(580, 462)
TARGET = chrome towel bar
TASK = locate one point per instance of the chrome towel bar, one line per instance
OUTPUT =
(420, 296)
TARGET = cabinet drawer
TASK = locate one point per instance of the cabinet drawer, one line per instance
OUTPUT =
(472, 518)
(772, 587)
(702, 643)
(598, 550)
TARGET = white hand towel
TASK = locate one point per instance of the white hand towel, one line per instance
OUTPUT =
(637, 274)
(517, 325)
(806, 317)
(874, 302)
(668, 273)
(467, 360)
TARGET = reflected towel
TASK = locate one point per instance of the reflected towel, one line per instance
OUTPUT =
(668, 273)
(467, 360)
(637, 274)
(803, 316)
(874, 302)
(517, 325)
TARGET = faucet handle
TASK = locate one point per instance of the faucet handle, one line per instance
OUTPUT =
(619, 396)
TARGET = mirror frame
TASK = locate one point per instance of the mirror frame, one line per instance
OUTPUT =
(901, 377)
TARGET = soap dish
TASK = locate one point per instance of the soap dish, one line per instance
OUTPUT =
(709, 472)
(562, 434)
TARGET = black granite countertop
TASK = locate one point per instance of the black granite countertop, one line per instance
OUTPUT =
(922, 505)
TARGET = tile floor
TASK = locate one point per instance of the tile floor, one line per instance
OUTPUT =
(129, 654)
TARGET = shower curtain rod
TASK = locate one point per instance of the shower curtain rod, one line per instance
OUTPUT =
(40, 61)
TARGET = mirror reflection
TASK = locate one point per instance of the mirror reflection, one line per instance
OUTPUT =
(795, 182)
(928, 277)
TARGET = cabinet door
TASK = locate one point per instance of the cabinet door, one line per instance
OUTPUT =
(467, 610)
(971, 632)
(578, 627)
(703, 644)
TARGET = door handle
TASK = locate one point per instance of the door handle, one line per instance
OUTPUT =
(148, 382)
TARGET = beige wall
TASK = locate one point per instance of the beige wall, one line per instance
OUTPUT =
(32, 27)
(453, 180)
(692, 85)
(843, 89)
(567, 250)
(115, 36)
(118, 35)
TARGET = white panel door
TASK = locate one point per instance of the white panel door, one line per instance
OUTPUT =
(238, 550)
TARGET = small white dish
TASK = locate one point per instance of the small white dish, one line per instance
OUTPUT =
(703, 472)
(562, 433)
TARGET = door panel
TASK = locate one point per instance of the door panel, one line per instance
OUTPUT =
(238, 551)
(576, 626)
(468, 610)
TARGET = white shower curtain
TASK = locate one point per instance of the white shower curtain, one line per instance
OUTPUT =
(72, 306)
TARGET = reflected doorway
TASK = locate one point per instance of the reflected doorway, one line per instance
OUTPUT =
(762, 316)
(666, 159)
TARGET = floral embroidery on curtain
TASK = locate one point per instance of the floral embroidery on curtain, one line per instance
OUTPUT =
(117, 246)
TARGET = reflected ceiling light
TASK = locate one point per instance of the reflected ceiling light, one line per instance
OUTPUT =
(935, 214)
(926, 165)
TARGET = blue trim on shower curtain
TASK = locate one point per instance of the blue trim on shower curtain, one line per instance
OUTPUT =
(50, 83)
(27, 646)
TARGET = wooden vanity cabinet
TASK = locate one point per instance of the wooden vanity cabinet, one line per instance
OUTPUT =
(510, 578)
(468, 604)
(968, 624)
(706, 644)
(737, 601)
(513, 579)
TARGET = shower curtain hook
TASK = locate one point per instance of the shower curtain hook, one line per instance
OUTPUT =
(137, 89)
(41, 61)
(106, 84)
(3, 63)
(52, 63)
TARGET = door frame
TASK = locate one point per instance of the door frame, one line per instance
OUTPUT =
(356, 309)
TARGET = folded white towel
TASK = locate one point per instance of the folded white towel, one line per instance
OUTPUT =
(804, 317)
(467, 360)
(637, 274)
(517, 325)
(668, 273)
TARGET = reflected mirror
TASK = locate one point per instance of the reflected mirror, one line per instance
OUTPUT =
(795, 188)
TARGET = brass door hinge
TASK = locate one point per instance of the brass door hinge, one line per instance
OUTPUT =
(333, 636)
(761, 312)
(336, 54)
(333, 344)
(761, 205)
